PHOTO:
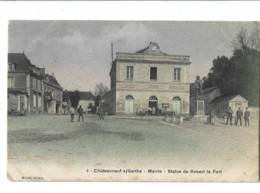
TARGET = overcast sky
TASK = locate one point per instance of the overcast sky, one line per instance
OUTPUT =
(79, 52)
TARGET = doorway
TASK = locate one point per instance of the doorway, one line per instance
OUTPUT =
(176, 106)
(129, 105)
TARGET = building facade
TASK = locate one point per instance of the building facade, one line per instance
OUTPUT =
(150, 79)
(52, 94)
(24, 85)
(86, 101)
(27, 86)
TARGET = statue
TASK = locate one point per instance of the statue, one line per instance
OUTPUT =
(198, 86)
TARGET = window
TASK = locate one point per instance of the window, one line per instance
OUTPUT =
(153, 73)
(34, 82)
(129, 72)
(34, 100)
(39, 101)
(177, 74)
(10, 81)
(39, 85)
(10, 67)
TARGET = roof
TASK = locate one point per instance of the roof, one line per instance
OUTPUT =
(204, 90)
(153, 48)
(20, 61)
(51, 80)
(226, 98)
(86, 96)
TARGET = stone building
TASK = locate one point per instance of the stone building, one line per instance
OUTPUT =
(25, 85)
(150, 78)
(86, 101)
(52, 94)
(221, 104)
(29, 88)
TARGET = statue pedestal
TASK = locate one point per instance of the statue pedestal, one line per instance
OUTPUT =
(199, 106)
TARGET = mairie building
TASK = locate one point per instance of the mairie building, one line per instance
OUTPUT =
(150, 79)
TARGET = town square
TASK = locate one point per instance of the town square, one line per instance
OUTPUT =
(133, 101)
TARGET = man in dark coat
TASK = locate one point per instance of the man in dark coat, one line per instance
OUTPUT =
(229, 115)
(100, 111)
(239, 116)
(80, 112)
(246, 116)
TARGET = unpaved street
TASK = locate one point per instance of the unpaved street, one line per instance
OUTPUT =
(54, 148)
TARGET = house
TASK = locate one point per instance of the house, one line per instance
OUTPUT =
(150, 79)
(86, 101)
(25, 85)
(52, 94)
(30, 90)
(221, 104)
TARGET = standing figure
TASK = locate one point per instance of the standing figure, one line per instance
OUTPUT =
(153, 110)
(239, 116)
(247, 116)
(198, 85)
(100, 111)
(80, 112)
(72, 112)
(229, 115)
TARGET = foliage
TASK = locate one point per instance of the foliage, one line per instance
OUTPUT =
(100, 89)
(238, 74)
(74, 98)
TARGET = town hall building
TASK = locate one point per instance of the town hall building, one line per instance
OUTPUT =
(150, 79)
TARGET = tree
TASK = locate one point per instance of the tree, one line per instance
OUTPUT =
(100, 90)
(74, 98)
(238, 74)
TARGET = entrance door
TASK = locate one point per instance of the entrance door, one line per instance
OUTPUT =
(21, 103)
(129, 105)
(176, 106)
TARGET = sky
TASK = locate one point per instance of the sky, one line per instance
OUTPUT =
(79, 52)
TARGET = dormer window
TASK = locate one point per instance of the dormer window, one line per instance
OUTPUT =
(10, 67)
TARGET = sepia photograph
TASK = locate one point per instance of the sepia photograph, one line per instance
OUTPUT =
(133, 101)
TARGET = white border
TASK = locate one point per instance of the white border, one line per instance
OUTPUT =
(192, 11)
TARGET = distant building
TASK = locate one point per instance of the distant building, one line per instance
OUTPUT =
(86, 101)
(221, 104)
(150, 78)
(214, 100)
(52, 94)
(29, 87)
(25, 85)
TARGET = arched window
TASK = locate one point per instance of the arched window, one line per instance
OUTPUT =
(176, 98)
(129, 97)
(153, 98)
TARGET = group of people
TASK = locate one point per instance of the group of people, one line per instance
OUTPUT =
(239, 115)
(81, 112)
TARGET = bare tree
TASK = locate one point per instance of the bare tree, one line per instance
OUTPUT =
(100, 90)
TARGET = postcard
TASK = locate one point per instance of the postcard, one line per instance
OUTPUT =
(135, 101)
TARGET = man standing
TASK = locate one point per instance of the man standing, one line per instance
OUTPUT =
(239, 116)
(80, 112)
(229, 115)
(246, 116)
(72, 112)
(100, 111)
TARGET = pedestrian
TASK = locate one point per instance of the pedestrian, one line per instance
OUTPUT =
(72, 112)
(247, 116)
(212, 117)
(229, 115)
(239, 116)
(100, 112)
(80, 112)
